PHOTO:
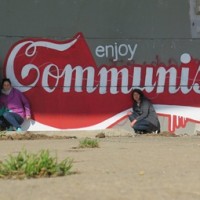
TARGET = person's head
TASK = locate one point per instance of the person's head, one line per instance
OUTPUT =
(137, 95)
(6, 84)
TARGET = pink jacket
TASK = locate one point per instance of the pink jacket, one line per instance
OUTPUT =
(16, 102)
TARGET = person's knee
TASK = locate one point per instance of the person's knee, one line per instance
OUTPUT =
(130, 118)
(6, 115)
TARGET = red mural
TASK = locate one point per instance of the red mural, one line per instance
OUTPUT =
(67, 90)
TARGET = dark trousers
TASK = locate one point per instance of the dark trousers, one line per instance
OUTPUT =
(3, 124)
(13, 119)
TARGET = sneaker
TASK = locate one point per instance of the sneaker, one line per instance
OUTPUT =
(140, 132)
(9, 128)
(19, 130)
(155, 132)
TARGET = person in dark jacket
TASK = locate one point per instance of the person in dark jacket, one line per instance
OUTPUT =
(143, 118)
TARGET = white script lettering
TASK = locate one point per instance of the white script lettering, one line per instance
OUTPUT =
(105, 79)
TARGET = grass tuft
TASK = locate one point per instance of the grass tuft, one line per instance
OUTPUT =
(28, 165)
(88, 143)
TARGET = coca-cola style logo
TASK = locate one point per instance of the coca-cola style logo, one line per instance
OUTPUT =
(67, 90)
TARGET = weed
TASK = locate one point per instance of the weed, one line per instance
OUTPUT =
(27, 165)
(2, 133)
(88, 143)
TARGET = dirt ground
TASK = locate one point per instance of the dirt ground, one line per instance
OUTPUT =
(143, 167)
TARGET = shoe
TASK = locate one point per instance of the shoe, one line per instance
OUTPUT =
(9, 128)
(155, 132)
(19, 130)
(140, 132)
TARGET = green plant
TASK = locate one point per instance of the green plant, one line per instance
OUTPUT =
(2, 133)
(88, 143)
(34, 165)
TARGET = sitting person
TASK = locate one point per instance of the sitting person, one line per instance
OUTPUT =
(143, 118)
(16, 106)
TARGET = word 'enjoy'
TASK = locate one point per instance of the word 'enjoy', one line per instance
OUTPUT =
(115, 51)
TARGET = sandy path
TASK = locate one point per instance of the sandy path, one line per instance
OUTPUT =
(142, 167)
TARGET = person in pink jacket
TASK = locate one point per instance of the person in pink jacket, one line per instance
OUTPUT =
(15, 104)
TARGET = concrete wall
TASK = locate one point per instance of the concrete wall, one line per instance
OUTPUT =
(162, 26)
(162, 29)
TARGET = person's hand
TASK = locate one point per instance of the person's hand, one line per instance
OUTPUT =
(129, 113)
(133, 122)
(28, 117)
